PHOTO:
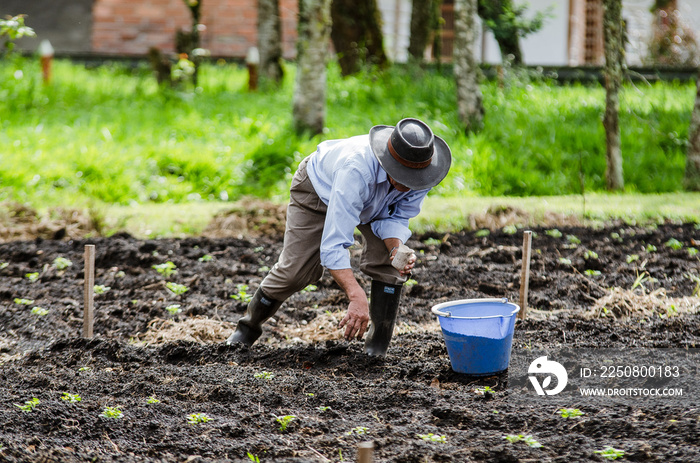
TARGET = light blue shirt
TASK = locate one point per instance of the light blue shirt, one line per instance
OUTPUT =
(350, 181)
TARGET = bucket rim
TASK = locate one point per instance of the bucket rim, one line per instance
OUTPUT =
(438, 309)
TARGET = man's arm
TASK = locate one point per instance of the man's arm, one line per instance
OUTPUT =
(357, 317)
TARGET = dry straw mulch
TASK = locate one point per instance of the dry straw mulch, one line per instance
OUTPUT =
(626, 303)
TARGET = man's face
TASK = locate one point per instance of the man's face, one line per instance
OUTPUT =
(399, 186)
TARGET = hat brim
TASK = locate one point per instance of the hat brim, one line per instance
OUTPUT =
(415, 179)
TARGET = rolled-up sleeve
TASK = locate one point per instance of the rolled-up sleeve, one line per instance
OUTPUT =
(396, 226)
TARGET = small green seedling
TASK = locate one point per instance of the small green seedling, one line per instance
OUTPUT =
(323, 409)
(573, 239)
(616, 236)
(529, 440)
(4, 265)
(410, 283)
(284, 421)
(359, 430)
(590, 254)
(592, 273)
(484, 390)
(510, 229)
(176, 288)
(166, 269)
(72, 398)
(81, 369)
(32, 276)
(570, 412)
(206, 258)
(692, 252)
(23, 301)
(173, 309)
(152, 400)
(61, 263)
(650, 248)
(253, 458)
(639, 280)
(674, 244)
(29, 405)
(197, 418)
(309, 289)
(482, 233)
(564, 261)
(632, 258)
(430, 437)
(610, 453)
(112, 413)
(264, 375)
(101, 289)
(554, 233)
(40, 311)
(242, 294)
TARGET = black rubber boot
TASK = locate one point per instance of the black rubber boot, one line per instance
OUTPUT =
(383, 308)
(249, 328)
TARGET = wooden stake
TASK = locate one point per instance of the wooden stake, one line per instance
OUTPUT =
(525, 276)
(365, 451)
(88, 315)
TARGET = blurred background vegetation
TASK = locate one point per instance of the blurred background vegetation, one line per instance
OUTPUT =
(110, 134)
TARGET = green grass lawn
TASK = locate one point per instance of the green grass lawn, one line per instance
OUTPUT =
(108, 138)
(443, 214)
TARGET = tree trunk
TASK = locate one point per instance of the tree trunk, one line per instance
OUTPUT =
(312, 51)
(357, 34)
(185, 42)
(504, 31)
(692, 164)
(420, 28)
(270, 40)
(466, 69)
(614, 62)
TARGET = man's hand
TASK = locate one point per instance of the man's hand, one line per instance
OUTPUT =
(406, 271)
(356, 320)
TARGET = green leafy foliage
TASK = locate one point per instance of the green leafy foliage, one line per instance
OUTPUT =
(610, 453)
(101, 289)
(529, 440)
(71, 398)
(29, 405)
(111, 135)
(430, 437)
(197, 418)
(61, 263)
(166, 269)
(40, 311)
(570, 412)
(242, 293)
(285, 421)
(176, 288)
(113, 413)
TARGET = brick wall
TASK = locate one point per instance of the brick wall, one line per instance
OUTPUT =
(131, 27)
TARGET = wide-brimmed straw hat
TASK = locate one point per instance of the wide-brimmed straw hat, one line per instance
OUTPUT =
(411, 154)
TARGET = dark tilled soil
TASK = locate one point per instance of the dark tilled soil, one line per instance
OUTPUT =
(338, 396)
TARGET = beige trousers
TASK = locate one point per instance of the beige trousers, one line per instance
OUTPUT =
(299, 263)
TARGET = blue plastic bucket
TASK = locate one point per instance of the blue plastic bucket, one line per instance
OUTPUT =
(478, 334)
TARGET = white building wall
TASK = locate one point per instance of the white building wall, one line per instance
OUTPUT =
(548, 46)
(396, 26)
